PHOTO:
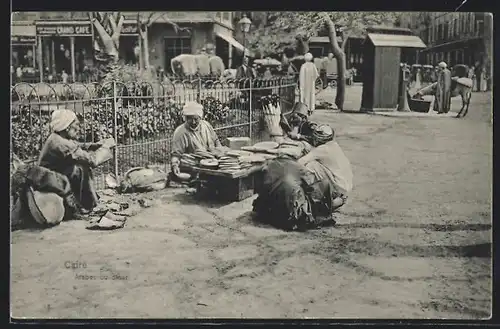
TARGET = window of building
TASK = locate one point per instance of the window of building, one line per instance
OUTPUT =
(175, 47)
(128, 43)
(84, 57)
(479, 27)
(317, 52)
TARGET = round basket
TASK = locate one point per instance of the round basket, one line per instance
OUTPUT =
(419, 105)
(46, 208)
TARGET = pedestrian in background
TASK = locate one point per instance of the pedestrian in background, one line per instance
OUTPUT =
(307, 82)
(64, 76)
(19, 73)
(245, 71)
(442, 101)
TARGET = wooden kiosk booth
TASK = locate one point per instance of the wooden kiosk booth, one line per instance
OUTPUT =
(383, 53)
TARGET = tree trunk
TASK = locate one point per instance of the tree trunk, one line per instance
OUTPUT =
(344, 42)
(144, 44)
(302, 45)
(341, 64)
(108, 29)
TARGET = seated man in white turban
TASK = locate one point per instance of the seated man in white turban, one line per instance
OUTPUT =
(193, 135)
(62, 153)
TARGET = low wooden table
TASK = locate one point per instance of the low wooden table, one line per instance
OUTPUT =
(231, 186)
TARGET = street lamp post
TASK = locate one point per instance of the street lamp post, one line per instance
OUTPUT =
(245, 24)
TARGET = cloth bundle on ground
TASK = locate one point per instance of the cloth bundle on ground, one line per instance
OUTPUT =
(141, 179)
(32, 184)
(41, 179)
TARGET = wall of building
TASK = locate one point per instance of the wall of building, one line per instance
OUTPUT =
(454, 37)
(201, 34)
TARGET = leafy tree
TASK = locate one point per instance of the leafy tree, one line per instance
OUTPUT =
(108, 27)
(144, 21)
(282, 29)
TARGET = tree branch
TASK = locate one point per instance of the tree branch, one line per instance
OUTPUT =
(344, 42)
(112, 22)
(117, 30)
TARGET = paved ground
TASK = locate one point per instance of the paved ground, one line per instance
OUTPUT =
(413, 242)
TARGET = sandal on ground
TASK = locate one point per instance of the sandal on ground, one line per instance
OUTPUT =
(104, 224)
(113, 216)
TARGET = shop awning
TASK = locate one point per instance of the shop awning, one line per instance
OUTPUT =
(232, 41)
(394, 40)
(23, 34)
(23, 30)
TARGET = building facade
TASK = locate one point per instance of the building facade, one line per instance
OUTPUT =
(455, 37)
(54, 43)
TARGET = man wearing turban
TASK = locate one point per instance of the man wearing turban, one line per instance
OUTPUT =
(307, 82)
(304, 193)
(442, 101)
(62, 153)
(193, 135)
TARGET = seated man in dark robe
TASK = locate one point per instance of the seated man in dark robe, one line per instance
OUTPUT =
(300, 128)
(62, 153)
(303, 194)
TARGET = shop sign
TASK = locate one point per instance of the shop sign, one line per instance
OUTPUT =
(64, 29)
(24, 39)
(129, 29)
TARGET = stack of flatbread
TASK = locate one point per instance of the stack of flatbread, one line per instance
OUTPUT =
(253, 159)
(201, 155)
(193, 159)
(229, 163)
(293, 152)
(189, 160)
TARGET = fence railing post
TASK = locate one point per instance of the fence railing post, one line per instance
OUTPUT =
(198, 97)
(115, 130)
(250, 112)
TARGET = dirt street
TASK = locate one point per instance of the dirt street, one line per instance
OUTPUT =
(414, 241)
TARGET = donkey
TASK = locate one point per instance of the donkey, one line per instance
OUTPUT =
(459, 87)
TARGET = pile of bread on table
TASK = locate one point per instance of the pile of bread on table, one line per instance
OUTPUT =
(228, 160)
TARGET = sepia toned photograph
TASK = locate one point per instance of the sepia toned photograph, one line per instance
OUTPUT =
(251, 165)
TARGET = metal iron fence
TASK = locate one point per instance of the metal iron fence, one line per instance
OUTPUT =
(141, 116)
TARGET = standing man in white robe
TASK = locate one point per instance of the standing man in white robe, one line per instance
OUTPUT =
(307, 82)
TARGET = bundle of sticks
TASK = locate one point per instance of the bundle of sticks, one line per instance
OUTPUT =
(273, 118)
